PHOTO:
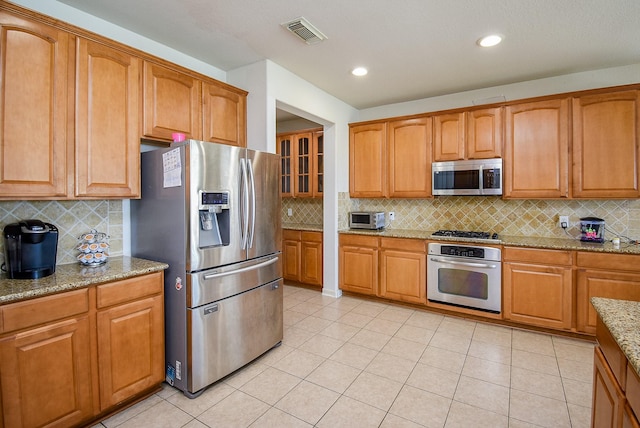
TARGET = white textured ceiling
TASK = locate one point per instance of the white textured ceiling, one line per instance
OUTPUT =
(413, 48)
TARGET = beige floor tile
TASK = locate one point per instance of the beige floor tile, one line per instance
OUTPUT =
(428, 320)
(294, 336)
(494, 335)
(578, 393)
(346, 411)
(237, 410)
(576, 370)
(490, 351)
(130, 412)
(355, 356)
(298, 363)
(415, 334)
(354, 319)
(313, 324)
(580, 416)
(370, 339)
(396, 314)
(346, 302)
(308, 402)
(334, 376)
(462, 415)
(374, 390)
(167, 391)
(320, 299)
(421, 407)
(290, 317)
(210, 397)
(486, 370)
(433, 379)
(443, 358)
(451, 342)
(535, 361)
(514, 423)
(369, 309)
(391, 367)
(306, 308)
(270, 385)
(457, 327)
(532, 342)
(575, 351)
(538, 410)
(340, 331)
(393, 421)
(195, 424)
(537, 383)
(482, 394)
(162, 415)
(275, 418)
(274, 355)
(331, 314)
(383, 326)
(321, 345)
(404, 348)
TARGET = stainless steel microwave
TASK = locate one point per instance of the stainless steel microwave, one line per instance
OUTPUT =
(467, 177)
(366, 220)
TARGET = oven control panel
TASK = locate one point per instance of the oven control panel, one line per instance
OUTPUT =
(459, 251)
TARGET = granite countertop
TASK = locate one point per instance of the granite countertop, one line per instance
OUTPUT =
(622, 318)
(303, 226)
(72, 276)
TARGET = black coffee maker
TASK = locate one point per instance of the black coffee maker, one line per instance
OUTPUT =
(30, 249)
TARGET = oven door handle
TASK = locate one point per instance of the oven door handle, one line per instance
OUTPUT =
(468, 264)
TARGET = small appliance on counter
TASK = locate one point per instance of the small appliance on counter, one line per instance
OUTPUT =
(592, 229)
(366, 220)
(30, 248)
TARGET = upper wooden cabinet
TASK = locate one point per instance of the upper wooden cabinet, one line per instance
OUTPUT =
(391, 159)
(409, 158)
(36, 61)
(107, 115)
(224, 115)
(536, 155)
(605, 145)
(172, 103)
(475, 134)
(301, 163)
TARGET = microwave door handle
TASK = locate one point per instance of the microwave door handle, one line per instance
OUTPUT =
(468, 264)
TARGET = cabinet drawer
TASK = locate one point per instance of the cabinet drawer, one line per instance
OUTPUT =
(626, 262)
(404, 244)
(311, 236)
(114, 293)
(292, 235)
(16, 316)
(359, 240)
(633, 389)
(532, 255)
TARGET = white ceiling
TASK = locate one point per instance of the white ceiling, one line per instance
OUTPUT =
(413, 48)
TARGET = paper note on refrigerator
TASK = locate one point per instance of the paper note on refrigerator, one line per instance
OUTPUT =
(172, 168)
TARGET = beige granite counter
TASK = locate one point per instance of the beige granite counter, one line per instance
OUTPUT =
(516, 241)
(74, 275)
(304, 227)
(622, 318)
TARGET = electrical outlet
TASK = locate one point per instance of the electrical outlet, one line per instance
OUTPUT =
(563, 221)
(289, 212)
(392, 215)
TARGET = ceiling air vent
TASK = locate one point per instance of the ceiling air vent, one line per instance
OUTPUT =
(303, 29)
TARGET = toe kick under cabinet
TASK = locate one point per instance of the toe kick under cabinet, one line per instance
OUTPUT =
(70, 358)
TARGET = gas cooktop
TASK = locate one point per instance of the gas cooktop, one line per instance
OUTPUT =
(466, 234)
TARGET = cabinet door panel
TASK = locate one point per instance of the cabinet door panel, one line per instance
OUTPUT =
(608, 398)
(536, 159)
(33, 109)
(605, 145)
(403, 276)
(130, 349)
(224, 115)
(410, 158)
(311, 263)
(291, 260)
(449, 139)
(107, 116)
(367, 161)
(484, 133)
(358, 269)
(46, 375)
(172, 103)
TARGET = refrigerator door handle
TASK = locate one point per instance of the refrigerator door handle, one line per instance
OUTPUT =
(253, 204)
(244, 203)
(244, 269)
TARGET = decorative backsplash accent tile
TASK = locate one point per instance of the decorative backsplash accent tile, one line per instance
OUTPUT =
(303, 210)
(72, 218)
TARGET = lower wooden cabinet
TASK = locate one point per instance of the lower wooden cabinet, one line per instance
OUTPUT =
(403, 270)
(49, 348)
(537, 287)
(608, 397)
(302, 256)
(358, 264)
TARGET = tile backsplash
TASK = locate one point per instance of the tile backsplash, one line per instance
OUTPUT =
(72, 218)
(531, 217)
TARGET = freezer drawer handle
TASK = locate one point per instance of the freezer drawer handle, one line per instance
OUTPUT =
(211, 309)
(245, 269)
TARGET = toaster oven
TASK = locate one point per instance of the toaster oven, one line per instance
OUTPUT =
(366, 220)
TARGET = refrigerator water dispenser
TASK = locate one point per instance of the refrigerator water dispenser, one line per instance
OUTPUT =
(214, 219)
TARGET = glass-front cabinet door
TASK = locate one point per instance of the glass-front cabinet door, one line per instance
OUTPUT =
(303, 165)
(318, 143)
(285, 149)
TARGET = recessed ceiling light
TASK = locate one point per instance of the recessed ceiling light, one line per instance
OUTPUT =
(489, 41)
(359, 71)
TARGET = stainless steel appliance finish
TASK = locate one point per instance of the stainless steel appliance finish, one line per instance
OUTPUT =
(467, 177)
(466, 234)
(465, 275)
(366, 220)
(212, 212)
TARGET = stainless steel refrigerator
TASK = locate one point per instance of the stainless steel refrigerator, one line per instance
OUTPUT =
(212, 212)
